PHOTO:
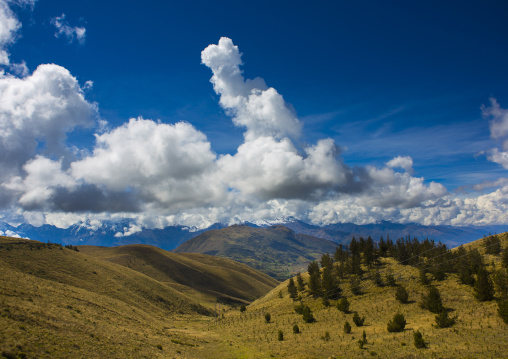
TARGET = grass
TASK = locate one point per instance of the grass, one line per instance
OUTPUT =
(57, 303)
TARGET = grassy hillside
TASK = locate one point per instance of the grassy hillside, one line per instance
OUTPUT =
(56, 302)
(276, 251)
(478, 332)
(203, 276)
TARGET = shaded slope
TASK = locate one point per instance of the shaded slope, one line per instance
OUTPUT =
(190, 273)
(276, 251)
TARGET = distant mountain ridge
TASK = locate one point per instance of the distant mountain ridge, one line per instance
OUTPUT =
(109, 232)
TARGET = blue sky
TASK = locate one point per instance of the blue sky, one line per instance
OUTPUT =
(382, 80)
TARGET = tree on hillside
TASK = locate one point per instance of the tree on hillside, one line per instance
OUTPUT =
(358, 320)
(500, 279)
(314, 278)
(397, 324)
(382, 247)
(347, 327)
(292, 290)
(343, 305)
(355, 285)
(505, 257)
(423, 277)
(268, 317)
(418, 340)
(475, 260)
(492, 244)
(300, 283)
(377, 278)
(401, 295)
(483, 287)
(432, 301)
(326, 260)
(369, 254)
(443, 320)
(502, 309)
(307, 315)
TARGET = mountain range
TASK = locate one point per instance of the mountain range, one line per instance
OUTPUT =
(111, 233)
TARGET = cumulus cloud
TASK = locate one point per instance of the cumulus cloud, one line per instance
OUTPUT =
(9, 26)
(498, 130)
(405, 163)
(70, 32)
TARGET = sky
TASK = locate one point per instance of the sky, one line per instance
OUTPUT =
(193, 113)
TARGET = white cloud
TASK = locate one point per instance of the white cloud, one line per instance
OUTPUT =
(498, 130)
(9, 233)
(70, 32)
(405, 163)
(9, 26)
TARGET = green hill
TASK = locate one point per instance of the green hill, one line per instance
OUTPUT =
(276, 251)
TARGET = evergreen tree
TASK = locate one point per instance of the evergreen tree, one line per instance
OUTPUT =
(242, 308)
(423, 277)
(418, 340)
(383, 248)
(268, 317)
(500, 279)
(464, 271)
(377, 278)
(356, 265)
(475, 260)
(292, 290)
(492, 245)
(444, 321)
(369, 253)
(432, 301)
(358, 320)
(329, 283)
(347, 327)
(401, 295)
(315, 283)
(307, 315)
(339, 255)
(502, 309)
(326, 260)
(343, 305)
(280, 335)
(397, 324)
(363, 341)
(390, 280)
(505, 257)
(326, 302)
(300, 283)
(355, 285)
(483, 288)
(296, 329)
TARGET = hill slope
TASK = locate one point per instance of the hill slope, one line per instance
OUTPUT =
(197, 274)
(478, 333)
(276, 251)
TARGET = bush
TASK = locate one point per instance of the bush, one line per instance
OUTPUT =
(432, 301)
(363, 341)
(343, 305)
(296, 329)
(347, 327)
(357, 320)
(307, 315)
(418, 339)
(243, 308)
(268, 317)
(444, 321)
(280, 336)
(390, 280)
(397, 324)
(402, 295)
(326, 337)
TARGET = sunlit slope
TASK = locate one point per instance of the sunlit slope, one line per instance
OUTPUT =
(478, 333)
(277, 251)
(55, 302)
(207, 277)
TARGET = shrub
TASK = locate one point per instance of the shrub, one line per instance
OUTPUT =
(347, 327)
(363, 341)
(355, 285)
(418, 339)
(292, 290)
(432, 301)
(357, 320)
(444, 321)
(243, 308)
(307, 315)
(299, 308)
(423, 277)
(401, 294)
(390, 280)
(397, 324)
(326, 337)
(280, 336)
(343, 305)
(268, 317)
(296, 329)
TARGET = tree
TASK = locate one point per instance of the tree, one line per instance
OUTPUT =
(268, 317)
(492, 245)
(314, 278)
(500, 279)
(397, 324)
(363, 341)
(329, 283)
(343, 305)
(292, 290)
(377, 278)
(418, 340)
(505, 257)
(326, 260)
(355, 285)
(401, 294)
(390, 280)
(243, 308)
(307, 315)
(357, 320)
(423, 277)
(296, 329)
(432, 301)
(347, 327)
(300, 283)
(483, 288)
(502, 309)
(444, 321)
(280, 336)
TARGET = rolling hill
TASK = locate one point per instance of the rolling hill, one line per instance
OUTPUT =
(276, 251)
(57, 302)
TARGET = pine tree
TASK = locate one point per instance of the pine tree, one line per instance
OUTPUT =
(326, 260)
(268, 317)
(377, 278)
(502, 309)
(307, 315)
(355, 285)
(296, 329)
(500, 279)
(292, 290)
(505, 257)
(358, 320)
(492, 245)
(300, 283)
(418, 340)
(315, 283)
(397, 324)
(347, 327)
(432, 301)
(390, 280)
(483, 288)
(464, 272)
(343, 305)
(401, 294)
(242, 308)
(444, 321)
(280, 336)
(423, 277)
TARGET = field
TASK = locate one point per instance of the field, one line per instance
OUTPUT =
(58, 303)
